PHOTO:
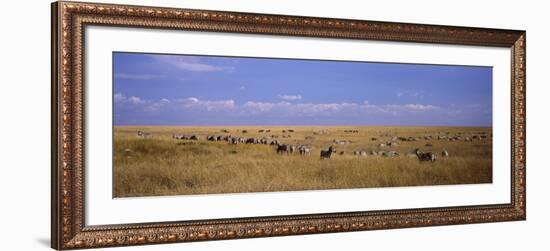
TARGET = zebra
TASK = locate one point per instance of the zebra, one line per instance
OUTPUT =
(325, 154)
(144, 134)
(304, 150)
(283, 148)
(429, 156)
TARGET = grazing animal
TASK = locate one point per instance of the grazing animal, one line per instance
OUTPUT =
(391, 154)
(342, 152)
(283, 148)
(444, 153)
(325, 154)
(225, 130)
(260, 131)
(234, 141)
(341, 142)
(251, 141)
(304, 150)
(244, 131)
(422, 156)
(292, 149)
(211, 138)
(290, 130)
(428, 144)
(373, 139)
(275, 143)
(144, 134)
(360, 153)
(178, 136)
(267, 130)
(194, 137)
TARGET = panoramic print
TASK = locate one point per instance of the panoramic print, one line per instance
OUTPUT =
(188, 124)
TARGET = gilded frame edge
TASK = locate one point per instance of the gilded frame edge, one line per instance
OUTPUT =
(68, 230)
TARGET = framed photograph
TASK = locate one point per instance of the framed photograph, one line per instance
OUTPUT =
(177, 125)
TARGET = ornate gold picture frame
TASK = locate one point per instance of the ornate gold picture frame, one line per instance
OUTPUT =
(69, 230)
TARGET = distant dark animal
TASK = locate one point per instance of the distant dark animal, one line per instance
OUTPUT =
(194, 137)
(275, 143)
(225, 130)
(267, 130)
(211, 138)
(373, 139)
(261, 131)
(422, 156)
(360, 153)
(290, 130)
(428, 145)
(283, 148)
(325, 154)
(284, 131)
(251, 141)
(244, 131)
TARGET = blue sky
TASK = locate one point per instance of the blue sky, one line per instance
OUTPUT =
(155, 89)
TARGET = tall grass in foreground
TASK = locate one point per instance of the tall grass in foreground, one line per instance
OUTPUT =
(164, 166)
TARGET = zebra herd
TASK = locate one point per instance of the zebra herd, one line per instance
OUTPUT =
(305, 150)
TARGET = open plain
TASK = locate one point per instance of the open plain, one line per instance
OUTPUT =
(164, 160)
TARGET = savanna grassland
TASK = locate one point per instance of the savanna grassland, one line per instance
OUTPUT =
(161, 165)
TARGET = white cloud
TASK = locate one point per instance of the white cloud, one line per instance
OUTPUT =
(282, 108)
(209, 105)
(290, 97)
(411, 94)
(190, 63)
(135, 100)
(137, 76)
(420, 107)
(265, 106)
(119, 97)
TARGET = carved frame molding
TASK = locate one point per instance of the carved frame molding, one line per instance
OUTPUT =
(68, 226)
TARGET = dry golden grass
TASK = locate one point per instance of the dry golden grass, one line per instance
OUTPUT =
(164, 166)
